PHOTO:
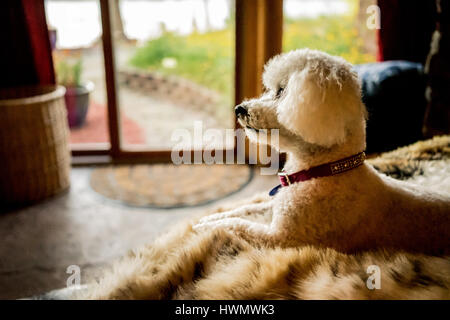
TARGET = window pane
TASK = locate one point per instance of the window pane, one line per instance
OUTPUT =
(175, 65)
(338, 27)
(75, 33)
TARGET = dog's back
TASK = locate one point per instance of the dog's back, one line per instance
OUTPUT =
(363, 210)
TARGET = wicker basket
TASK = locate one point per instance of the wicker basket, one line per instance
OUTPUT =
(34, 149)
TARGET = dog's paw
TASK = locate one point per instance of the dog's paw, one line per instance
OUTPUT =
(210, 218)
(197, 227)
(215, 221)
(218, 216)
(203, 226)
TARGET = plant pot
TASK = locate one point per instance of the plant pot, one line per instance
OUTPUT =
(77, 103)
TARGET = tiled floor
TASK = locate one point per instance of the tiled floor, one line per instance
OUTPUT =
(81, 228)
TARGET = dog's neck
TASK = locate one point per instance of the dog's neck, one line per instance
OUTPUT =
(298, 160)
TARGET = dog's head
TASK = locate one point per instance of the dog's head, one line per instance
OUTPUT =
(311, 97)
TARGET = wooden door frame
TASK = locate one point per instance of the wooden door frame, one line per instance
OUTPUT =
(258, 36)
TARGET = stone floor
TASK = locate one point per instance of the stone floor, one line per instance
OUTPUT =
(81, 228)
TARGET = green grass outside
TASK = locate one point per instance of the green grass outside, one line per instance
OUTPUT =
(207, 59)
(203, 58)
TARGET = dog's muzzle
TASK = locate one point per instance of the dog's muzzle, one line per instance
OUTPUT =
(241, 111)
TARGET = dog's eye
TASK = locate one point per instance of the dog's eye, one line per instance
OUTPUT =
(279, 92)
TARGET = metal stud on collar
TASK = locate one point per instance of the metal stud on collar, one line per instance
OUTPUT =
(286, 176)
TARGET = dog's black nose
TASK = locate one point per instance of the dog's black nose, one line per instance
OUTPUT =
(240, 110)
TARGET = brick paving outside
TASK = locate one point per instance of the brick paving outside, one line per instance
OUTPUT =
(146, 119)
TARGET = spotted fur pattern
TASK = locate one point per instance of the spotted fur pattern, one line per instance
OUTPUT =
(407, 162)
(221, 265)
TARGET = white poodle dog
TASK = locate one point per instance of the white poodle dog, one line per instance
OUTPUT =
(330, 197)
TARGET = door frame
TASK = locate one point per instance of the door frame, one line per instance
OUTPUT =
(258, 37)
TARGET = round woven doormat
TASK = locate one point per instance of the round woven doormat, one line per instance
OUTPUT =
(169, 186)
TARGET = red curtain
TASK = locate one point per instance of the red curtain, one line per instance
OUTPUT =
(406, 29)
(25, 57)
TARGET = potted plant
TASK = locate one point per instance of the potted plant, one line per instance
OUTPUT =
(77, 92)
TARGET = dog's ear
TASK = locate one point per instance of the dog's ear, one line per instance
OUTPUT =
(321, 107)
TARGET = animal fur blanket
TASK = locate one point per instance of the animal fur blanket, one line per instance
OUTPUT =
(220, 265)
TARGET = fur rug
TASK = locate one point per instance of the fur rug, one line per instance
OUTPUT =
(221, 265)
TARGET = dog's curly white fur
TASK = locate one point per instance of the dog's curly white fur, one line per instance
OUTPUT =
(314, 99)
